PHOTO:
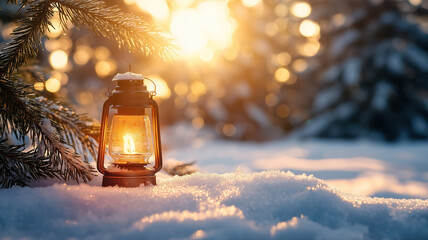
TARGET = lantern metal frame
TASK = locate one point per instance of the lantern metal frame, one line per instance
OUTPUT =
(130, 97)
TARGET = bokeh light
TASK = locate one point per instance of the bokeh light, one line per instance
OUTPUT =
(198, 88)
(271, 99)
(105, 68)
(65, 43)
(300, 65)
(309, 28)
(180, 89)
(281, 10)
(101, 53)
(301, 9)
(53, 85)
(61, 76)
(58, 59)
(310, 48)
(82, 54)
(229, 129)
(198, 122)
(339, 19)
(282, 74)
(283, 59)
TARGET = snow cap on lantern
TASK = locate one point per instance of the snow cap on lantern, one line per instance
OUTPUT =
(128, 76)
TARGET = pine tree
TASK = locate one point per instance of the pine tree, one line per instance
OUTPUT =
(370, 80)
(40, 136)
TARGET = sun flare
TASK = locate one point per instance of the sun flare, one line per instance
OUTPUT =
(202, 29)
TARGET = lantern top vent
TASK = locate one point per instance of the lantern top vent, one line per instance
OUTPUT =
(128, 76)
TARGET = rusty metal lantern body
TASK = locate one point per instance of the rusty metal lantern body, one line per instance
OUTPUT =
(128, 134)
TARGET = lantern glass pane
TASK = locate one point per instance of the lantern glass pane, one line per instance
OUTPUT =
(131, 139)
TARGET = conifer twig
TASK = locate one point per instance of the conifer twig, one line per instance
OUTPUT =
(26, 38)
(18, 167)
(127, 29)
(24, 113)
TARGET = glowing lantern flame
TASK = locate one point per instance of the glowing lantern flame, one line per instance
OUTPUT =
(128, 144)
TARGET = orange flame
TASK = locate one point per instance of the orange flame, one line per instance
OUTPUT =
(128, 144)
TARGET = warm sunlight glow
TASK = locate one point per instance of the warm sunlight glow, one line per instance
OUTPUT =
(162, 89)
(128, 144)
(309, 28)
(188, 30)
(203, 29)
(53, 85)
(301, 9)
(250, 3)
(58, 59)
(158, 9)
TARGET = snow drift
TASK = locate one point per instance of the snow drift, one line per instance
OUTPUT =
(265, 205)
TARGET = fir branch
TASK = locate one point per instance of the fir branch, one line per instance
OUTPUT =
(48, 125)
(127, 29)
(26, 38)
(18, 167)
(62, 155)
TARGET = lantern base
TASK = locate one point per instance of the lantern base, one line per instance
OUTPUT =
(134, 181)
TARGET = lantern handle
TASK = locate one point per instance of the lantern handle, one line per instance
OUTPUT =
(152, 93)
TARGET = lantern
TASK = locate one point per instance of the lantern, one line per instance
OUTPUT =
(130, 130)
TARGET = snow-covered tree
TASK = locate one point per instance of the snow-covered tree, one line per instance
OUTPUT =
(371, 76)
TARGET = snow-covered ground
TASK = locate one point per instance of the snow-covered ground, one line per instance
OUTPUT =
(264, 205)
(361, 167)
(237, 195)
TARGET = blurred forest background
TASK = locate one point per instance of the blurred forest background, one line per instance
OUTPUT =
(260, 69)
